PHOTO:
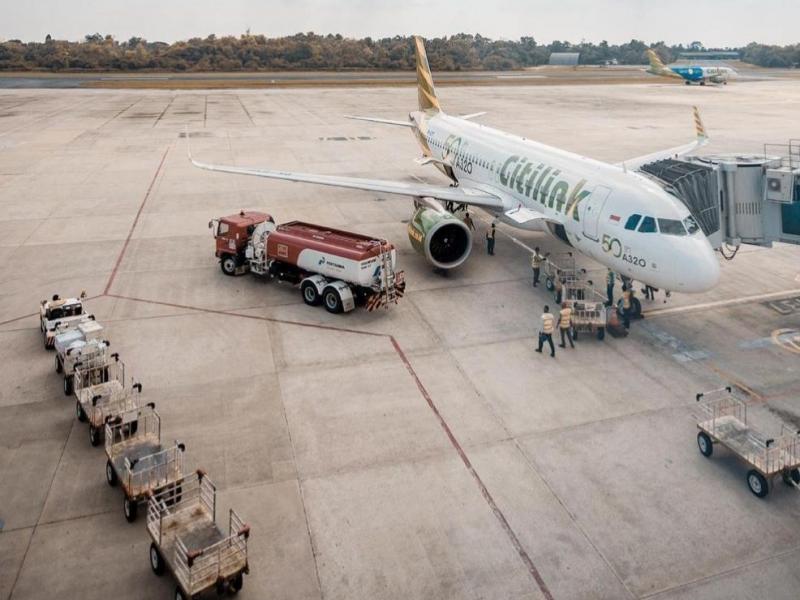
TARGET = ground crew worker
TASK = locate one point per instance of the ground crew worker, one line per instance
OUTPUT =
(468, 221)
(490, 241)
(559, 289)
(546, 334)
(565, 324)
(536, 264)
(627, 306)
(610, 280)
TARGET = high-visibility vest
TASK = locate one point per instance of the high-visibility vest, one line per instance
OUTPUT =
(548, 323)
(536, 261)
(626, 299)
(566, 317)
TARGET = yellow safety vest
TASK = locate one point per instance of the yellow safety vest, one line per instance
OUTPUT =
(548, 323)
(536, 261)
(566, 317)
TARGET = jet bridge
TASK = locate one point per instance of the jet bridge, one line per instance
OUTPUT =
(739, 198)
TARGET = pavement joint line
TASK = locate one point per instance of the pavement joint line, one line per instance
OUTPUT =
(41, 512)
(720, 574)
(523, 554)
(163, 112)
(659, 312)
(118, 114)
(244, 108)
(135, 222)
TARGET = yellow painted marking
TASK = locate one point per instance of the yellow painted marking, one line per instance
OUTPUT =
(788, 339)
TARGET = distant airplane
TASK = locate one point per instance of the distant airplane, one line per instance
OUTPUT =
(610, 212)
(690, 74)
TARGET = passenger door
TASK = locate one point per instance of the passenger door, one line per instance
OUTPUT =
(592, 208)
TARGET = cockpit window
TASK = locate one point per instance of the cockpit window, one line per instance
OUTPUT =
(691, 224)
(648, 225)
(671, 227)
(633, 221)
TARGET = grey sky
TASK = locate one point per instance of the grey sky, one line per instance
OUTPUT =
(714, 22)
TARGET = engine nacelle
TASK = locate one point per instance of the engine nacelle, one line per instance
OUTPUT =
(440, 236)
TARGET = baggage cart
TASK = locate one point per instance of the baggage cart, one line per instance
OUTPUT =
(79, 345)
(138, 462)
(98, 385)
(188, 541)
(589, 312)
(723, 420)
(560, 269)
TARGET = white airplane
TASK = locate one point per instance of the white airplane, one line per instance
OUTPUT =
(691, 73)
(610, 212)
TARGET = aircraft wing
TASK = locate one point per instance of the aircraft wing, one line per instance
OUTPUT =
(676, 152)
(462, 195)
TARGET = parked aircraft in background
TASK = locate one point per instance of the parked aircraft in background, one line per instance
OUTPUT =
(690, 74)
(610, 212)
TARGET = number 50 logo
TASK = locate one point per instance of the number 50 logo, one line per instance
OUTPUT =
(612, 246)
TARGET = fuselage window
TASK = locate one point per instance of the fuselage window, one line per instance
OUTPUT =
(648, 225)
(671, 227)
(633, 221)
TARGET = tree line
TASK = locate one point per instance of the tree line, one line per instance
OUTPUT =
(310, 51)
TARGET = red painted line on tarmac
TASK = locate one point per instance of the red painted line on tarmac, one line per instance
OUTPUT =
(135, 222)
(484, 490)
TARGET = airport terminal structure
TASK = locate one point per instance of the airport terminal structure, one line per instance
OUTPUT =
(349, 421)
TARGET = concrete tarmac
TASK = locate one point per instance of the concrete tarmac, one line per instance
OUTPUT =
(421, 452)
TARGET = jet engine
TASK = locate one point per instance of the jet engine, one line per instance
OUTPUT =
(441, 237)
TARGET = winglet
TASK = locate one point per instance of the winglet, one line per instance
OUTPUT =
(700, 129)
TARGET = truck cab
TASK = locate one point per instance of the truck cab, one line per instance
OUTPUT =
(232, 234)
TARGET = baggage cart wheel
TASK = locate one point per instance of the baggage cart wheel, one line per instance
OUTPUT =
(156, 562)
(705, 444)
(332, 300)
(130, 508)
(757, 483)
(79, 412)
(310, 294)
(68, 381)
(791, 476)
(179, 594)
(548, 283)
(94, 435)
(111, 474)
(601, 333)
(236, 584)
(228, 265)
(59, 368)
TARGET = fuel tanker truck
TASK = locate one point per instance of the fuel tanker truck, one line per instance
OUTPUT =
(337, 269)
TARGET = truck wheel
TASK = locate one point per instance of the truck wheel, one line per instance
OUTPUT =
(68, 385)
(332, 300)
(59, 368)
(79, 412)
(111, 474)
(228, 265)
(601, 333)
(130, 508)
(310, 294)
(94, 435)
(156, 562)
(757, 483)
(705, 444)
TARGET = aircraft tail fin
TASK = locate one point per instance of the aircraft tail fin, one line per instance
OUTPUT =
(656, 64)
(428, 102)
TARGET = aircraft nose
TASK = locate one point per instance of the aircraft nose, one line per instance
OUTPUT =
(699, 267)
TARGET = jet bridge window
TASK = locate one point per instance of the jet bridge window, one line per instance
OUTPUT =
(633, 221)
(648, 225)
(671, 227)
